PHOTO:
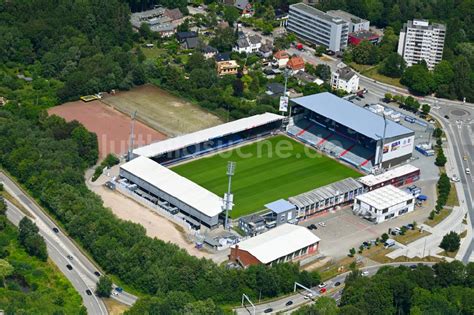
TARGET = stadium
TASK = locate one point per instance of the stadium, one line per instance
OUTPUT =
(326, 140)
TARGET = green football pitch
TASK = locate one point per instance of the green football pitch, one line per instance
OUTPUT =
(267, 170)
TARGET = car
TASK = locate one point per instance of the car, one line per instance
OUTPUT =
(68, 266)
(308, 296)
(289, 303)
(312, 227)
(322, 224)
(97, 273)
(115, 293)
(337, 283)
(323, 290)
(69, 257)
(455, 179)
(468, 171)
(55, 230)
(410, 226)
(446, 116)
(268, 310)
(464, 158)
(322, 285)
(365, 273)
(119, 289)
(413, 266)
(88, 292)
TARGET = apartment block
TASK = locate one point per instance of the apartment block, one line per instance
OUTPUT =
(318, 27)
(421, 41)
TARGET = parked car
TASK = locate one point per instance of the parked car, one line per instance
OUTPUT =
(413, 266)
(312, 227)
(322, 224)
(455, 179)
(119, 289)
(365, 273)
(446, 116)
(323, 290)
(322, 285)
(308, 296)
(68, 266)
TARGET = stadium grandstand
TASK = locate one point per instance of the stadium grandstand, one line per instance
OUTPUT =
(215, 138)
(349, 132)
(147, 177)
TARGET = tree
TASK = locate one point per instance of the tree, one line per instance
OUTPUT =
(440, 158)
(238, 87)
(352, 252)
(451, 242)
(29, 238)
(224, 39)
(365, 53)
(104, 287)
(145, 31)
(231, 14)
(3, 206)
(323, 71)
(319, 51)
(425, 108)
(388, 97)
(393, 66)
(385, 237)
(418, 79)
(5, 270)
(432, 215)
(438, 132)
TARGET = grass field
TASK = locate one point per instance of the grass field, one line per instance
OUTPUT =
(162, 111)
(262, 175)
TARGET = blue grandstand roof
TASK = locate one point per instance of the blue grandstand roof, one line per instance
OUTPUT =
(350, 115)
(280, 206)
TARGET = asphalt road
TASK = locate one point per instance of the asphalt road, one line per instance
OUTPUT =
(298, 299)
(60, 247)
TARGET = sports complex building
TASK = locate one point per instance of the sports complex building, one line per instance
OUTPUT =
(349, 132)
(344, 131)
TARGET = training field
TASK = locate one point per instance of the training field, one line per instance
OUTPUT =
(162, 111)
(262, 175)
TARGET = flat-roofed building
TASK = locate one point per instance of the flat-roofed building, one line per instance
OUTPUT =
(383, 204)
(285, 243)
(398, 176)
(356, 23)
(227, 67)
(327, 197)
(421, 41)
(318, 27)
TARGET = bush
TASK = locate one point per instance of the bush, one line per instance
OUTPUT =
(109, 161)
(451, 242)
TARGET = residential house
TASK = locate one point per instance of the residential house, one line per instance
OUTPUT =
(280, 59)
(304, 78)
(275, 89)
(248, 44)
(191, 43)
(295, 64)
(209, 51)
(227, 67)
(241, 4)
(345, 79)
(265, 51)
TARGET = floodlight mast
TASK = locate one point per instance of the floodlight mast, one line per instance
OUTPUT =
(229, 197)
(132, 136)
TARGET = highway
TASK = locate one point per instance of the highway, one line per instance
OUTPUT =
(59, 248)
(298, 298)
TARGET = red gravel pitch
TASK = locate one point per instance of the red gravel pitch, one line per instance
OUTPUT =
(111, 126)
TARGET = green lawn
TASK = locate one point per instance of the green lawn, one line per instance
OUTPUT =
(267, 176)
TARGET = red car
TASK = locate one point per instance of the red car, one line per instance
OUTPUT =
(323, 290)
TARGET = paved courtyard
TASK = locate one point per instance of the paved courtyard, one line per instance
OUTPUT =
(345, 230)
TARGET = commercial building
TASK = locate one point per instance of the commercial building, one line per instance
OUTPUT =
(285, 243)
(252, 225)
(356, 38)
(345, 79)
(421, 41)
(318, 27)
(328, 197)
(349, 132)
(356, 24)
(398, 176)
(281, 212)
(383, 204)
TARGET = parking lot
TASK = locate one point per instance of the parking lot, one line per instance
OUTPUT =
(343, 230)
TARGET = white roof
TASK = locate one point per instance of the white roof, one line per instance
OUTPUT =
(385, 197)
(371, 180)
(176, 185)
(278, 242)
(180, 142)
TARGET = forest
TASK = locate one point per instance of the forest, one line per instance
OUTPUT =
(445, 288)
(30, 285)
